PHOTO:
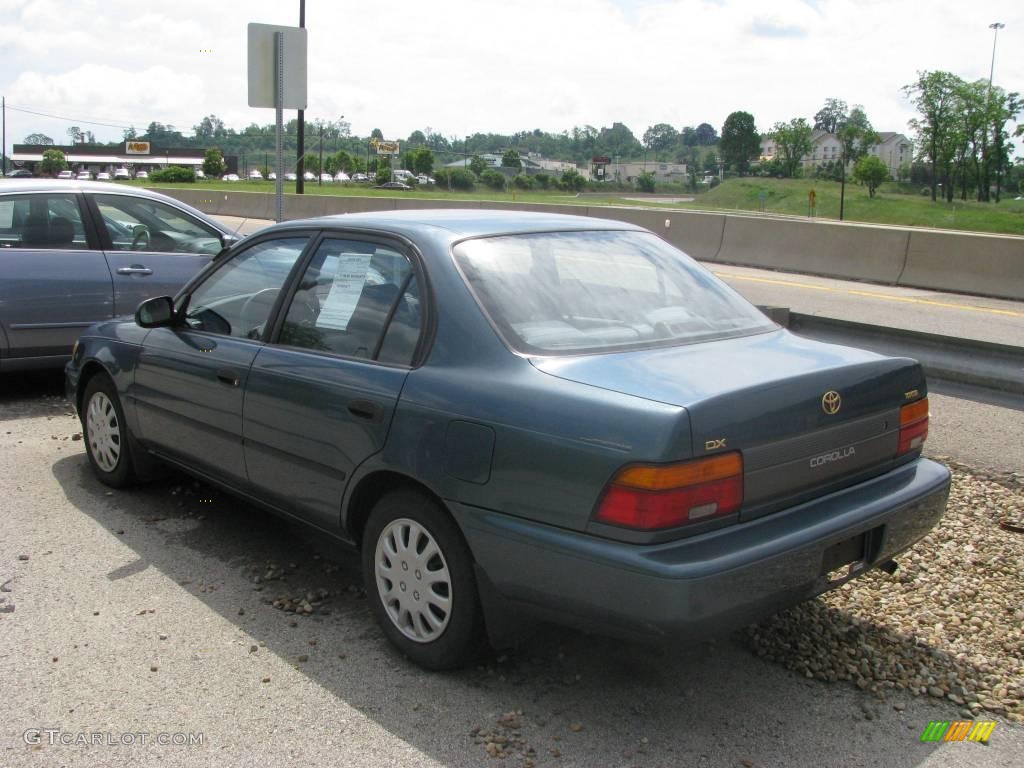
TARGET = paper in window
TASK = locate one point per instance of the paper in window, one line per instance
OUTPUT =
(347, 287)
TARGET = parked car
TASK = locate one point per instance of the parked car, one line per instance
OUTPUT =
(66, 175)
(19, 173)
(308, 176)
(142, 175)
(520, 415)
(341, 177)
(102, 176)
(326, 178)
(359, 177)
(230, 177)
(272, 176)
(122, 173)
(200, 174)
(424, 179)
(84, 176)
(255, 175)
(393, 185)
(72, 253)
(291, 177)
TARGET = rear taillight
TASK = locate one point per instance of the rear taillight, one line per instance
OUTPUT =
(913, 426)
(654, 496)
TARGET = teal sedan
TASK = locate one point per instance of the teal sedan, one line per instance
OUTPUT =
(518, 416)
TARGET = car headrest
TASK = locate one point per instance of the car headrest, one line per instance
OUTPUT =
(62, 231)
(34, 232)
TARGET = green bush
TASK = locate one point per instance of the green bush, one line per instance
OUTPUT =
(173, 174)
(645, 182)
(493, 179)
(572, 181)
(522, 181)
(456, 178)
(542, 180)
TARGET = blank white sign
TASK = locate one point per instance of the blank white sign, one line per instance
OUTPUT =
(262, 62)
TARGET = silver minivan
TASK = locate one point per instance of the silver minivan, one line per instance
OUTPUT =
(72, 253)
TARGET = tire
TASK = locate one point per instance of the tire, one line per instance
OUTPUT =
(419, 577)
(108, 443)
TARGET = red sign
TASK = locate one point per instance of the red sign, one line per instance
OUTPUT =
(600, 160)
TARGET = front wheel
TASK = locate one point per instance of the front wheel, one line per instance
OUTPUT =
(107, 442)
(419, 574)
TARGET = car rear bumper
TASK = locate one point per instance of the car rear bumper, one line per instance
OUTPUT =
(712, 582)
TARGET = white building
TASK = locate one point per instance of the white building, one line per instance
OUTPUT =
(893, 149)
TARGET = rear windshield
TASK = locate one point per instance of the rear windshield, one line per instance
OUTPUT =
(576, 292)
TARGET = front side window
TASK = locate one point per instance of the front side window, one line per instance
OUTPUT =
(238, 298)
(140, 224)
(357, 299)
(50, 221)
(575, 292)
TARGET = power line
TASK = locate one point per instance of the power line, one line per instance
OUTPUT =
(83, 121)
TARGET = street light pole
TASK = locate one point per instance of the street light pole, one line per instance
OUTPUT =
(320, 176)
(995, 27)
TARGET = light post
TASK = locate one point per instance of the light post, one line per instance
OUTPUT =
(320, 175)
(995, 27)
(300, 166)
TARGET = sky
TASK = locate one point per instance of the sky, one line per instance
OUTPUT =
(458, 67)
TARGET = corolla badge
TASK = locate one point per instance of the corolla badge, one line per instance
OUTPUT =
(831, 402)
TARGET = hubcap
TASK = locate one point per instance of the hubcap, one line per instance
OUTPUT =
(413, 580)
(104, 432)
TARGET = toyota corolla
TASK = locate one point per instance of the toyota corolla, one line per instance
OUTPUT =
(519, 415)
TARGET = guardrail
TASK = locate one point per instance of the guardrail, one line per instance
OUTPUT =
(987, 265)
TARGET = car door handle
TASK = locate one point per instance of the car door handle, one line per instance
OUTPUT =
(230, 378)
(364, 409)
(134, 269)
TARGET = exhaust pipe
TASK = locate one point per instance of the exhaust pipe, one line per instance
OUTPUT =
(889, 566)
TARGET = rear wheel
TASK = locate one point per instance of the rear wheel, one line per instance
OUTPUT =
(419, 574)
(107, 442)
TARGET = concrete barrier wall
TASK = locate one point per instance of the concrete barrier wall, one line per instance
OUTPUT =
(989, 265)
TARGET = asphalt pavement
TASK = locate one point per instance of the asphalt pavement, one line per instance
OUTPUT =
(145, 612)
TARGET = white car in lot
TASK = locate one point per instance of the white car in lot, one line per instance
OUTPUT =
(102, 176)
(66, 175)
(341, 176)
(291, 177)
(122, 173)
(255, 175)
(272, 175)
(308, 176)
(84, 176)
(359, 177)
(326, 178)
(230, 177)
(424, 179)
(200, 174)
(142, 175)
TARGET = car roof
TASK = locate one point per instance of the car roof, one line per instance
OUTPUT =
(459, 223)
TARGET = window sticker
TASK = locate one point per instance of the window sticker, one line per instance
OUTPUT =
(347, 287)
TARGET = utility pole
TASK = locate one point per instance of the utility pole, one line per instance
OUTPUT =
(3, 145)
(320, 176)
(300, 169)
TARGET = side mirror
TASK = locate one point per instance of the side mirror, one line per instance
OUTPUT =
(228, 240)
(157, 312)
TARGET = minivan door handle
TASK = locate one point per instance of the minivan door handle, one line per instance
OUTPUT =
(135, 269)
(364, 409)
(225, 376)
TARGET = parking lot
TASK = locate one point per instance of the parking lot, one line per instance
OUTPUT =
(175, 611)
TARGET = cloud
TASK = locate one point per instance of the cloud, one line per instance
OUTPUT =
(763, 27)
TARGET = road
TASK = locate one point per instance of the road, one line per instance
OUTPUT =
(140, 611)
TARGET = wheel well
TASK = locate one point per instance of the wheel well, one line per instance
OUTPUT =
(369, 491)
(92, 368)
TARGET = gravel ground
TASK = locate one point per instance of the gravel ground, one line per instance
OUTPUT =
(174, 608)
(947, 624)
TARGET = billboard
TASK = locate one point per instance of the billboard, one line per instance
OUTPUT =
(385, 147)
(136, 147)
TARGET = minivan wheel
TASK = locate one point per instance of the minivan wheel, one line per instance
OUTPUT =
(107, 442)
(419, 575)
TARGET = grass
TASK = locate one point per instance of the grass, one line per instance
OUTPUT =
(780, 197)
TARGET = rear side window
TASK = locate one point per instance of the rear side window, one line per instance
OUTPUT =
(45, 221)
(581, 292)
(357, 299)
(140, 224)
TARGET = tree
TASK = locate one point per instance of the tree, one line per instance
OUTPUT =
(53, 162)
(856, 137)
(129, 133)
(421, 161)
(76, 135)
(935, 94)
(740, 142)
(705, 134)
(511, 159)
(830, 116)
(416, 137)
(572, 180)
(870, 171)
(1002, 108)
(38, 139)
(645, 181)
(477, 164)
(213, 162)
(376, 133)
(793, 141)
(688, 136)
(659, 137)
(210, 127)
